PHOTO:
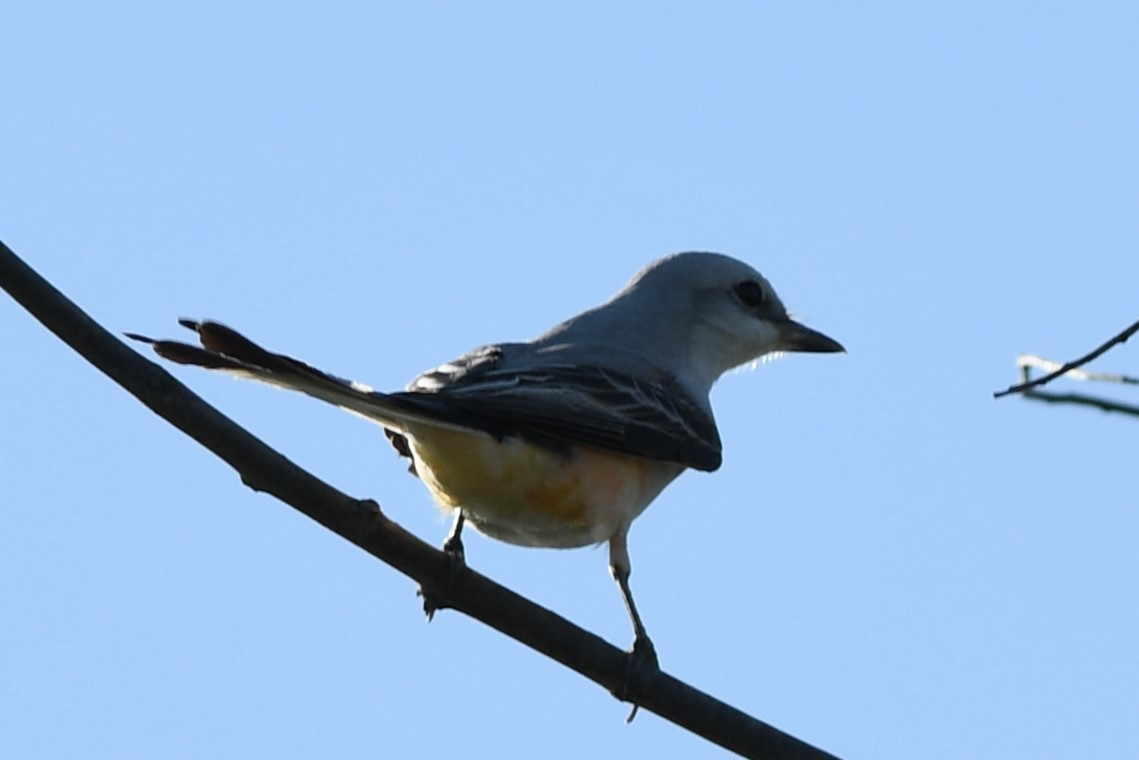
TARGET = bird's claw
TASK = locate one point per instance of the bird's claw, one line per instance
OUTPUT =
(644, 654)
(456, 563)
(641, 661)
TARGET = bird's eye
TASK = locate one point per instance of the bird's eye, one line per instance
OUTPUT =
(751, 293)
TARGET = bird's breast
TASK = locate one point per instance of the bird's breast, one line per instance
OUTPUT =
(523, 493)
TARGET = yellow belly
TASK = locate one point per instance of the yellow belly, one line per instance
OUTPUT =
(522, 493)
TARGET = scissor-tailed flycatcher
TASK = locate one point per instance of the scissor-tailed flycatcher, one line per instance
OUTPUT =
(563, 440)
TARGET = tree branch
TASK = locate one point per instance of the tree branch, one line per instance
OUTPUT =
(1082, 400)
(1064, 368)
(362, 523)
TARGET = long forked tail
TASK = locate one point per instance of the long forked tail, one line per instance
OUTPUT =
(227, 350)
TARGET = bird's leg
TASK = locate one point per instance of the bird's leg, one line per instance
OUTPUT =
(643, 655)
(642, 645)
(453, 546)
(456, 558)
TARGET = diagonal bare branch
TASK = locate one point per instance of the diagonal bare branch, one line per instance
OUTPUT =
(362, 523)
(1064, 368)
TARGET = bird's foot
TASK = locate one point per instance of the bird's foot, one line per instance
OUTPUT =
(642, 662)
(456, 562)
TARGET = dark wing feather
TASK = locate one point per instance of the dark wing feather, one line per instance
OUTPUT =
(587, 404)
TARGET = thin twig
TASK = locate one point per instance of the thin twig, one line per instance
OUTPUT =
(362, 523)
(1020, 388)
(1082, 400)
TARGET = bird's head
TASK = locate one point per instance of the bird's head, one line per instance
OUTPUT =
(709, 313)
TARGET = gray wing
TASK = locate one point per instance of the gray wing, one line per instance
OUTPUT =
(573, 403)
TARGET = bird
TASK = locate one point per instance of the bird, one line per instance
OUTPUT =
(562, 440)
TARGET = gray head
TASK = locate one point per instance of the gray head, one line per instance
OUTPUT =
(694, 315)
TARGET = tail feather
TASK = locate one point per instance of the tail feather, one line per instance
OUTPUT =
(227, 350)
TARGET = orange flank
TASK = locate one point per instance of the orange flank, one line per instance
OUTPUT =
(527, 494)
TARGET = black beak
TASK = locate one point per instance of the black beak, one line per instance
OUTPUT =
(796, 337)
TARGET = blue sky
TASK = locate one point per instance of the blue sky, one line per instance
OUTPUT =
(890, 563)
